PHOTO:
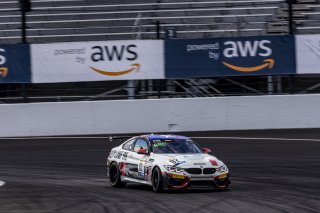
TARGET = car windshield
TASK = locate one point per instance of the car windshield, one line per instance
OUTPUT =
(175, 146)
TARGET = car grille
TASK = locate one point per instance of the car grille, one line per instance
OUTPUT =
(194, 171)
(198, 171)
(209, 171)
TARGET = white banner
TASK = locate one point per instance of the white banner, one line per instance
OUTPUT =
(97, 61)
(308, 54)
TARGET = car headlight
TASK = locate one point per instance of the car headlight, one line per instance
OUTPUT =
(222, 169)
(173, 168)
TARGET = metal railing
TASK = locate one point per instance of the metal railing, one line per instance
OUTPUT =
(155, 89)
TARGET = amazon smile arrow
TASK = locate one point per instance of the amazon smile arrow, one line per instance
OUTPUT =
(123, 72)
(3, 71)
(269, 63)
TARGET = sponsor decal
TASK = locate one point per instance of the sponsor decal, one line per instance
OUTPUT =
(125, 156)
(308, 54)
(118, 155)
(3, 71)
(15, 64)
(176, 162)
(245, 49)
(141, 167)
(109, 73)
(3, 60)
(269, 63)
(213, 162)
(101, 60)
(193, 177)
(112, 153)
(223, 51)
(199, 164)
(223, 176)
(177, 176)
(112, 53)
(159, 144)
(264, 55)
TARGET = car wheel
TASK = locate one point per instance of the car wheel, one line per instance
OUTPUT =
(157, 180)
(114, 176)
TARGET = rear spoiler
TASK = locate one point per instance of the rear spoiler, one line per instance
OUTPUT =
(111, 138)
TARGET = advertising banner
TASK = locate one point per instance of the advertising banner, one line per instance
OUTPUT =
(15, 64)
(97, 61)
(263, 55)
(308, 54)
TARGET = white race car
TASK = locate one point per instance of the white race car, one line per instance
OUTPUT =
(165, 162)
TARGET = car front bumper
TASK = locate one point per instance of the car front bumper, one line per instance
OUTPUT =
(177, 181)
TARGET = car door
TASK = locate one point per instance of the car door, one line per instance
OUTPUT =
(127, 166)
(141, 160)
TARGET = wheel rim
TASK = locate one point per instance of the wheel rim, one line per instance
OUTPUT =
(113, 174)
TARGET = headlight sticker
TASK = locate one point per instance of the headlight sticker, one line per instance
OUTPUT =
(222, 168)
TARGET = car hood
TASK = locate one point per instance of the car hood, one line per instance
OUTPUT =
(188, 160)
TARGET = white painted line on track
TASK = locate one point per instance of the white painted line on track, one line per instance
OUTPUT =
(200, 137)
(248, 138)
(53, 137)
(2, 183)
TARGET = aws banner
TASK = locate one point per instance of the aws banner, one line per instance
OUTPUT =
(263, 55)
(15, 64)
(97, 61)
(308, 54)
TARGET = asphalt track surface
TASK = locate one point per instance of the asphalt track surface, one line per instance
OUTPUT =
(68, 175)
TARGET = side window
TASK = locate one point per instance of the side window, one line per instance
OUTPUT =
(140, 144)
(128, 145)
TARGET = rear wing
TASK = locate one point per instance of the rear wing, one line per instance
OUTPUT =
(121, 137)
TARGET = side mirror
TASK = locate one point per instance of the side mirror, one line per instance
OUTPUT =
(206, 150)
(143, 151)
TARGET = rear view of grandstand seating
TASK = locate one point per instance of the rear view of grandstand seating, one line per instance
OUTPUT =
(85, 20)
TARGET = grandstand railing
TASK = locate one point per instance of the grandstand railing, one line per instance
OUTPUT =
(154, 89)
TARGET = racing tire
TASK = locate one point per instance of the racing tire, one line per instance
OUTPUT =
(114, 176)
(157, 180)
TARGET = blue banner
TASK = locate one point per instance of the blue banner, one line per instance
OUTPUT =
(15, 64)
(258, 55)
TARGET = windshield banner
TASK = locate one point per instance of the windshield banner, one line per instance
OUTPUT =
(15, 64)
(98, 61)
(263, 55)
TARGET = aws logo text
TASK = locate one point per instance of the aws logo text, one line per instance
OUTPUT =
(115, 53)
(3, 70)
(247, 49)
(110, 53)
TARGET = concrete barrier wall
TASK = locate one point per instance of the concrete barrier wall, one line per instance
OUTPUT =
(164, 115)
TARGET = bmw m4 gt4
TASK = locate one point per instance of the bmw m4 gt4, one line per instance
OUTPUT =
(166, 162)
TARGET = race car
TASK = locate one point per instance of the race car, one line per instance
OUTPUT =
(166, 162)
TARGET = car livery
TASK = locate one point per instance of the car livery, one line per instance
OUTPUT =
(166, 162)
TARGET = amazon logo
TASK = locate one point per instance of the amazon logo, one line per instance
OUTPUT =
(3, 70)
(244, 49)
(135, 67)
(115, 53)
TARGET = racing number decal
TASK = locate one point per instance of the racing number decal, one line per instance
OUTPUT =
(140, 167)
(125, 156)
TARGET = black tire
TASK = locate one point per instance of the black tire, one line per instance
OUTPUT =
(114, 176)
(157, 180)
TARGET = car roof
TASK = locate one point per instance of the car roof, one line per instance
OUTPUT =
(165, 137)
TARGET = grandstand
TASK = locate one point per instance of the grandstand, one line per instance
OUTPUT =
(83, 20)
(99, 20)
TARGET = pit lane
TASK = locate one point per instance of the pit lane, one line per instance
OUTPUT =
(68, 175)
